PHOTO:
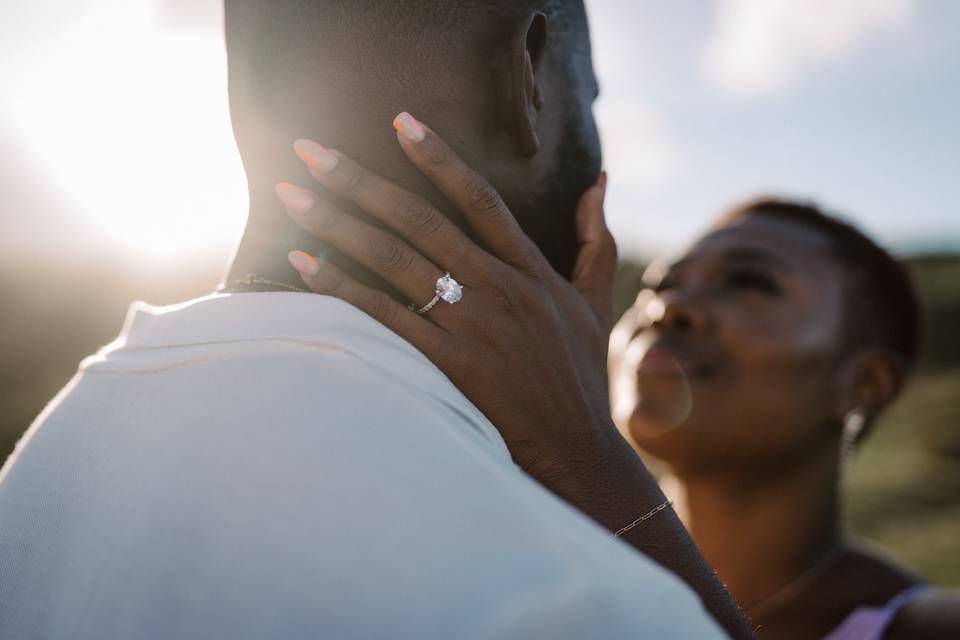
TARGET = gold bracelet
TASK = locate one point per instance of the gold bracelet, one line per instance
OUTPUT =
(646, 516)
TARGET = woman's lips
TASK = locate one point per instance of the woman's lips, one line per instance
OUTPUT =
(660, 360)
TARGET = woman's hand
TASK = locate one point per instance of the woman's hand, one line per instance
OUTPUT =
(523, 344)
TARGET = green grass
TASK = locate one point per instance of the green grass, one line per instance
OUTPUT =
(904, 488)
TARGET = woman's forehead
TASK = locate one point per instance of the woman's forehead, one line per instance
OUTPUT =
(774, 241)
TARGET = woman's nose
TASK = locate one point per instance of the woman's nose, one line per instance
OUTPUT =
(674, 310)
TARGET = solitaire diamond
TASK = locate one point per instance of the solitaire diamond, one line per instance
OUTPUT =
(449, 289)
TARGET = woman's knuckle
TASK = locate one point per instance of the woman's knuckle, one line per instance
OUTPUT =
(508, 296)
(351, 181)
(511, 302)
(439, 157)
(331, 282)
(481, 196)
(380, 308)
(418, 215)
(326, 218)
(530, 262)
(390, 255)
(457, 251)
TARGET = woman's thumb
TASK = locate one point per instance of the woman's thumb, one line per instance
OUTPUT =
(597, 261)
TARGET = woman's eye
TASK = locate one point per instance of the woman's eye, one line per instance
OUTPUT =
(753, 281)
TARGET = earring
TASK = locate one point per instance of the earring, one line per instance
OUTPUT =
(853, 424)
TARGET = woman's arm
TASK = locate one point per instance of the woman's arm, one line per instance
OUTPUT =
(526, 346)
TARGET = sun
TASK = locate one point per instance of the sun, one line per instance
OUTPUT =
(133, 121)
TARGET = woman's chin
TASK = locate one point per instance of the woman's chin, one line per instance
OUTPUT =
(654, 424)
(663, 441)
(646, 427)
(664, 402)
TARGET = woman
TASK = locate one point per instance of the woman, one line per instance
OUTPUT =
(530, 353)
(752, 367)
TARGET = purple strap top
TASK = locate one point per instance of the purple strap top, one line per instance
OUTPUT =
(870, 623)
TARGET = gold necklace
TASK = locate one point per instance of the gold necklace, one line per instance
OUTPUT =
(251, 280)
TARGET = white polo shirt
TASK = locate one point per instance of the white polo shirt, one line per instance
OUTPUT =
(279, 465)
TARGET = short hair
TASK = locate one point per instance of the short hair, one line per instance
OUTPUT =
(266, 40)
(881, 307)
(340, 70)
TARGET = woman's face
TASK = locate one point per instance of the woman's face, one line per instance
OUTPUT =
(730, 359)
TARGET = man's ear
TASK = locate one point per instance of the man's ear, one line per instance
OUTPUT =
(871, 380)
(526, 99)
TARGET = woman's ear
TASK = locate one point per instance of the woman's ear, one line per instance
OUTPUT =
(872, 379)
(526, 100)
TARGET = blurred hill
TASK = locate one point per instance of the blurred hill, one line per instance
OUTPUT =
(58, 308)
(905, 487)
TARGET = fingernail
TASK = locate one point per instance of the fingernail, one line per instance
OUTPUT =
(316, 157)
(294, 197)
(304, 263)
(409, 128)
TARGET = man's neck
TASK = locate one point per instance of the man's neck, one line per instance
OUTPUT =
(270, 236)
(760, 532)
(263, 253)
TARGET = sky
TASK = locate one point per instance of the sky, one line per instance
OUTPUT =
(850, 103)
(114, 129)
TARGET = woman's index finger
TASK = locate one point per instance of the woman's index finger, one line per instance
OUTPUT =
(409, 215)
(480, 203)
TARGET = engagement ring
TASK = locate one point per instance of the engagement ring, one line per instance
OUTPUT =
(447, 289)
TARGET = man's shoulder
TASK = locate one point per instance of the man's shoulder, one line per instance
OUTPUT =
(348, 484)
(305, 364)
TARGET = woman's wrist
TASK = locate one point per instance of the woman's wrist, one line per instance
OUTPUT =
(602, 476)
(608, 482)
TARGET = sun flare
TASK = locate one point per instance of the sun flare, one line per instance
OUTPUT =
(134, 122)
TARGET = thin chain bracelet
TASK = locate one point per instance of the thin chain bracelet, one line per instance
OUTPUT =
(646, 516)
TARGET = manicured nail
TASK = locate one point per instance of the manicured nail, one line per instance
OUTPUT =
(294, 197)
(409, 128)
(316, 157)
(304, 263)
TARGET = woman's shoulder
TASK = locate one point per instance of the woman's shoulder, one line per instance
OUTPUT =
(932, 614)
(872, 575)
(861, 578)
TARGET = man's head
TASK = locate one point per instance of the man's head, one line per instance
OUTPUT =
(509, 83)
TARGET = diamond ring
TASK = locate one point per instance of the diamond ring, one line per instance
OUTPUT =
(447, 289)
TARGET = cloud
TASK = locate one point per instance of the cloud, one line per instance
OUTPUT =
(761, 47)
(636, 146)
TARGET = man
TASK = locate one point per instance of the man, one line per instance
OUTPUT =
(272, 464)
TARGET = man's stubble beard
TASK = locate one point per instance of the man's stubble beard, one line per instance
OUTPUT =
(548, 214)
